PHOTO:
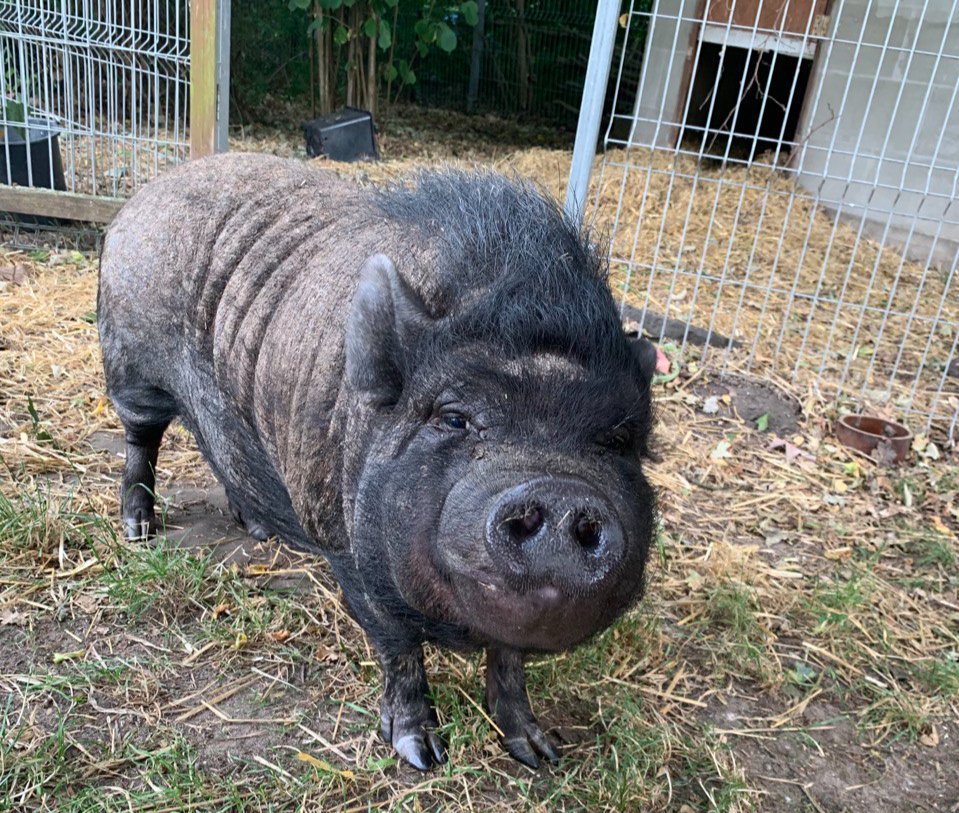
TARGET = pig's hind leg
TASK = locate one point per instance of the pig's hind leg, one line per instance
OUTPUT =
(145, 413)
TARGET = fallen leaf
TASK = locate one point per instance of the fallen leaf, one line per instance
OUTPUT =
(88, 603)
(662, 362)
(941, 527)
(323, 765)
(711, 405)
(221, 609)
(12, 618)
(838, 553)
(279, 635)
(60, 657)
(762, 422)
(793, 452)
(15, 274)
(721, 452)
(930, 740)
(839, 487)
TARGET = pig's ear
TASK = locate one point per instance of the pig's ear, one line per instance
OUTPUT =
(384, 318)
(644, 351)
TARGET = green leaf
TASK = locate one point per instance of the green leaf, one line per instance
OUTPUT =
(386, 35)
(342, 35)
(422, 47)
(303, 5)
(470, 12)
(390, 73)
(762, 422)
(406, 74)
(369, 28)
(32, 412)
(446, 38)
(422, 28)
(330, 5)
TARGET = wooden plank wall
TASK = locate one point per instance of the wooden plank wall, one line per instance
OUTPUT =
(769, 13)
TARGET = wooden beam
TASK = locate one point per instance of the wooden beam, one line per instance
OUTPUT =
(25, 200)
(203, 73)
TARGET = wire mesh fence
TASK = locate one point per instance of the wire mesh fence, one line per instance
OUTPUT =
(94, 92)
(785, 175)
(532, 60)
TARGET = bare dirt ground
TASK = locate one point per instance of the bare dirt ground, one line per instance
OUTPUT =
(798, 648)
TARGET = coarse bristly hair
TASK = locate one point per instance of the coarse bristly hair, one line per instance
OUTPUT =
(512, 267)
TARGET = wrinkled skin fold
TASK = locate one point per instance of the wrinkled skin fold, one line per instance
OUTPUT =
(427, 384)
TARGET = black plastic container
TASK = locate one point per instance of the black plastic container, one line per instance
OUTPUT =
(42, 144)
(346, 135)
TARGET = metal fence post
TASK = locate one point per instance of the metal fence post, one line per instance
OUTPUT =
(222, 75)
(591, 108)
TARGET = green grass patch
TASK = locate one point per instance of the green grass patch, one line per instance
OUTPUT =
(733, 632)
(158, 576)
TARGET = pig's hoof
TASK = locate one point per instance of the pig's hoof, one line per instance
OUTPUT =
(252, 527)
(139, 524)
(257, 531)
(414, 739)
(524, 739)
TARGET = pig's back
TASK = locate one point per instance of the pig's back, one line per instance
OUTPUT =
(189, 254)
(226, 283)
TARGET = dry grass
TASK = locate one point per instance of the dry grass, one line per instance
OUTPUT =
(798, 649)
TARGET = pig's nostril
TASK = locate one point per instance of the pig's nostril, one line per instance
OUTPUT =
(587, 531)
(525, 524)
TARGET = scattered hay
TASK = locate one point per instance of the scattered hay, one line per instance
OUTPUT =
(793, 584)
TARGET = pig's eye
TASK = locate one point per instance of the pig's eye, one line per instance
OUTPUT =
(453, 420)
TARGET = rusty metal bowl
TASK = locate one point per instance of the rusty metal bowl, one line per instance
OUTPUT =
(865, 433)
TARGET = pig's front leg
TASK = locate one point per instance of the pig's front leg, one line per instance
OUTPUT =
(508, 702)
(407, 717)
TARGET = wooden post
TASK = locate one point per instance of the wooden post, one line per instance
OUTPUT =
(522, 55)
(203, 74)
(476, 57)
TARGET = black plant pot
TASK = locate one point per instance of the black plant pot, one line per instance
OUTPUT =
(42, 145)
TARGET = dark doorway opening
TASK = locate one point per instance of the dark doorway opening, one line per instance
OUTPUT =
(737, 123)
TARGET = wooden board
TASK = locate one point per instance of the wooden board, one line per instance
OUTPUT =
(202, 77)
(23, 200)
(788, 16)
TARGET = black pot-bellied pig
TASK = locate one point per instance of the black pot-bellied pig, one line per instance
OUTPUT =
(428, 384)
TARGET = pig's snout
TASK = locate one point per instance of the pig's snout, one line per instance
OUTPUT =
(554, 531)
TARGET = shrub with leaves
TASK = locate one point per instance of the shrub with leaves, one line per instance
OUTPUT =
(353, 46)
